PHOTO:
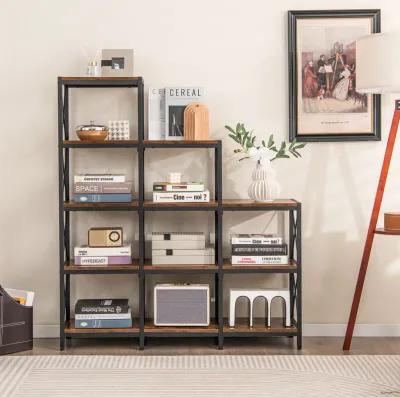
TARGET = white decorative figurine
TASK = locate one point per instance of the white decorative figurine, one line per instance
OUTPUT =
(267, 293)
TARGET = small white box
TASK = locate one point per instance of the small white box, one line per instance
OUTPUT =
(118, 130)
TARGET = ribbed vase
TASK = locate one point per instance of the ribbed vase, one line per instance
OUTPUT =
(264, 187)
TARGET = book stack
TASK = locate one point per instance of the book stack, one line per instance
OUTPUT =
(187, 192)
(102, 188)
(103, 313)
(181, 249)
(258, 249)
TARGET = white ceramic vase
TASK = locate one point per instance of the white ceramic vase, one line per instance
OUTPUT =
(264, 187)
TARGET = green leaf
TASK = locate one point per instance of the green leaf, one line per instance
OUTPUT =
(300, 146)
(270, 140)
(230, 129)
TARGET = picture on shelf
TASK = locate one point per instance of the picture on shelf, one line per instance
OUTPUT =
(176, 100)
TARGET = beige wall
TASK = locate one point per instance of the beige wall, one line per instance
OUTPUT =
(237, 51)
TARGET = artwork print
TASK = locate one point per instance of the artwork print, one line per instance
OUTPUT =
(326, 104)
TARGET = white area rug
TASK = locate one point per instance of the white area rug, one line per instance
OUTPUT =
(283, 376)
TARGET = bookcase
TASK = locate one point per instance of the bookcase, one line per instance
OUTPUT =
(141, 267)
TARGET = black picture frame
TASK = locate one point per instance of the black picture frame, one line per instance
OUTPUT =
(293, 17)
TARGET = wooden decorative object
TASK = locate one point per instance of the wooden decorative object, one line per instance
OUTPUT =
(392, 221)
(196, 122)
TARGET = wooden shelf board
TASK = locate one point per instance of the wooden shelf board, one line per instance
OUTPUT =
(105, 144)
(74, 206)
(387, 232)
(259, 326)
(149, 327)
(180, 143)
(99, 78)
(70, 329)
(71, 268)
(291, 267)
(241, 203)
(148, 267)
(149, 204)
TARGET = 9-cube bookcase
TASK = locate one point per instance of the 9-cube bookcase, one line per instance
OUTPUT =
(143, 327)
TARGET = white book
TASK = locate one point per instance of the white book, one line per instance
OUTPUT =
(104, 316)
(156, 114)
(259, 260)
(184, 197)
(176, 100)
(177, 236)
(255, 239)
(99, 178)
(183, 252)
(183, 260)
(103, 251)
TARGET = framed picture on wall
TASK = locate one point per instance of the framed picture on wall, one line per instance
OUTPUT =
(324, 104)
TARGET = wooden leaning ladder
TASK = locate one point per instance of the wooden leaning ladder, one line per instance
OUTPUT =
(372, 226)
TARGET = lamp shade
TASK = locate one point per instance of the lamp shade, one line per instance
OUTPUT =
(378, 63)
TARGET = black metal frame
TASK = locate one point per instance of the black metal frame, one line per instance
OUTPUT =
(293, 16)
(141, 270)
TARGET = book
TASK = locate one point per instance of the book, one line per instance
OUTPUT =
(102, 187)
(102, 260)
(103, 198)
(185, 197)
(255, 239)
(183, 260)
(103, 316)
(176, 100)
(259, 260)
(259, 249)
(156, 114)
(104, 323)
(99, 178)
(101, 306)
(23, 297)
(178, 187)
(84, 250)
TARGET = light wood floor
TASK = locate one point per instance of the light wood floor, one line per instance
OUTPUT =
(187, 346)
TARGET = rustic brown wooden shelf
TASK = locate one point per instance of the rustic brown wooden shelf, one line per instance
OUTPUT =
(151, 329)
(235, 204)
(71, 268)
(387, 232)
(99, 78)
(149, 268)
(259, 327)
(70, 330)
(74, 206)
(291, 267)
(76, 143)
(180, 144)
(151, 205)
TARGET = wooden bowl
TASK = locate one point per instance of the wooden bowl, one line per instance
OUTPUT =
(92, 135)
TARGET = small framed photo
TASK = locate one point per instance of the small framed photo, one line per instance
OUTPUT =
(117, 63)
(324, 104)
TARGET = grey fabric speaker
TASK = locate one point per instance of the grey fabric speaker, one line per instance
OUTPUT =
(185, 305)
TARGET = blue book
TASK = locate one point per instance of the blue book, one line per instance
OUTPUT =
(103, 323)
(103, 198)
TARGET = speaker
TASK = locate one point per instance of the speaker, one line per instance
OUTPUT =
(182, 305)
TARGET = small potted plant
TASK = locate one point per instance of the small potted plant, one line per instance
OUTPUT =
(264, 187)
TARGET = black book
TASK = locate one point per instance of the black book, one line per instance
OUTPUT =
(101, 306)
(259, 249)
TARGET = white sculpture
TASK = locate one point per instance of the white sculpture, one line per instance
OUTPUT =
(268, 293)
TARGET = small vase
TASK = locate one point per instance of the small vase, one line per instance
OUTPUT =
(264, 187)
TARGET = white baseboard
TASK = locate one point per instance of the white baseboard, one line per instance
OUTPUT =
(378, 330)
